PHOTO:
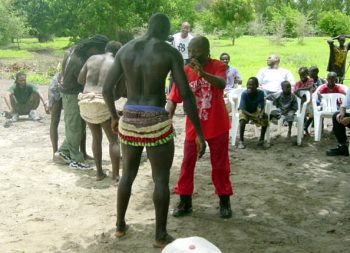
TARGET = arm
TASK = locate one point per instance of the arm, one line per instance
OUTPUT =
(238, 77)
(7, 98)
(44, 102)
(82, 74)
(294, 106)
(189, 102)
(216, 81)
(170, 107)
(114, 74)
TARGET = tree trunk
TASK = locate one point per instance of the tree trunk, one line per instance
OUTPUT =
(233, 35)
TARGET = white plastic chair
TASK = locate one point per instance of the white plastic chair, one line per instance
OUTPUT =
(299, 117)
(326, 110)
(234, 98)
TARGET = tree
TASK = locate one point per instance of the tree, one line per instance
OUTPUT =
(12, 26)
(234, 13)
(334, 23)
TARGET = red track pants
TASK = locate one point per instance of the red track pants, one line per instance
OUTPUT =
(220, 166)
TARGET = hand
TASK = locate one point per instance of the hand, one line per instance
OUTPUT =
(114, 125)
(196, 66)
(200, 144)
(340, 117)
(46, 107)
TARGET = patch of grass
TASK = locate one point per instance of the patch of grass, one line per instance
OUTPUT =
(39, 78)
(11, 53)
(249, 54)
(33, 44)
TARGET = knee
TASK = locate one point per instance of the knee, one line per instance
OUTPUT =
(334, 118)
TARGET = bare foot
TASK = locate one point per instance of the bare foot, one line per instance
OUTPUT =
(100, 176)
(121, 231)
(161, 243)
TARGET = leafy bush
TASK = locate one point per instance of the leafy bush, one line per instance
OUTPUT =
(257, 27)
(333, 23)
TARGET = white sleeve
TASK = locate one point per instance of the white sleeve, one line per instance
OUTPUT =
(290, 78)
(260, 76)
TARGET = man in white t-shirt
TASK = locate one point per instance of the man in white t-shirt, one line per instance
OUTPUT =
(182, 39)
(271, 77)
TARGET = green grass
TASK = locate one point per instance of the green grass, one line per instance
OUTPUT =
(13, 53)
(249, 54)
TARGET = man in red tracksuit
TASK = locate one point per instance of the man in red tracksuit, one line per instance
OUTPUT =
(207, 79)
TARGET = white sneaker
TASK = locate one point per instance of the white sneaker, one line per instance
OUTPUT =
(62, 158)
(241, 145)
(79, 166)
(33, 115)
(15, 117)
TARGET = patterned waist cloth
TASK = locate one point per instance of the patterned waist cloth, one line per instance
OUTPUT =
(145, 127)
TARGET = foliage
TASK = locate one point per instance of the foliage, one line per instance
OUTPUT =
(303, 26)
(12, 26)
(257, 26)
(39, 17)
(235, 13)
(334, 23)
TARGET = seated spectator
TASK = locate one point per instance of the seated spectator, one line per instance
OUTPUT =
(233, 77)
(313, 72)
(286, 103)
(271, 77)
(305, 83)
(341, 120)
(24, 99)
(251, 108)
(331, 86)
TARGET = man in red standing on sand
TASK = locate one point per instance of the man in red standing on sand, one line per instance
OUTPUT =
(207, 79)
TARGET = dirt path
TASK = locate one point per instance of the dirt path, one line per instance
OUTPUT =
(288, 198)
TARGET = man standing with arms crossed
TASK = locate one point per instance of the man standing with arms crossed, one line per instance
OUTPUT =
(145, 121)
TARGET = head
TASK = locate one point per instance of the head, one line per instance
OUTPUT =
(91, 46)
(113, 47)
(21, 79)
(159, 26)
(225, 58)
(185, 29)
(303, 74)
(331, 79)
(252, 85)
(313, 72)
(286, 88)
(273, 61)
(341, 40)
(199, 49)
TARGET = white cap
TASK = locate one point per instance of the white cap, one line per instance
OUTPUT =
(191, 245)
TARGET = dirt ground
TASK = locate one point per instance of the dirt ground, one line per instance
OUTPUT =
(287, 198)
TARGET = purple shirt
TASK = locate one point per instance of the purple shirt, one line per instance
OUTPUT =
(232, 77)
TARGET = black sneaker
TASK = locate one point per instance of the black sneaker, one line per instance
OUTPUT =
(225, 207)
(338, 151)
(79, 166)
(184, 207)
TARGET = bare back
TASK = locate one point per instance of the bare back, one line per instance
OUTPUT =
(97, 68)
(145, 64)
